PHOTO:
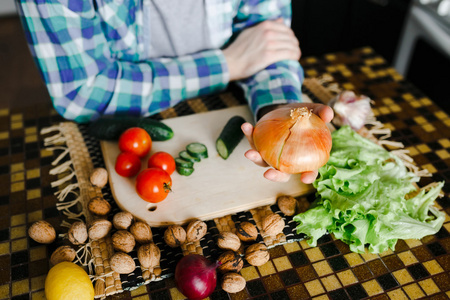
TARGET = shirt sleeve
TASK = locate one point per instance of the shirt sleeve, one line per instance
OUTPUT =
(85, 79)
(280, 82)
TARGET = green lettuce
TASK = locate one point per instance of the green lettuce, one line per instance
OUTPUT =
(361, 198)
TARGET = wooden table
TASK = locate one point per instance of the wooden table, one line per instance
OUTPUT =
(296, 271)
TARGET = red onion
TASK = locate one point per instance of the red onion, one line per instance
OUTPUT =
(195, 276)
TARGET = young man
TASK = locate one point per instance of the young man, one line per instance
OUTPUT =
(139, 57)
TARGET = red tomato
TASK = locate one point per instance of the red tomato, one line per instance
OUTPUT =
(128, 164)
(153, 185)
(135, 140)
(162, 160)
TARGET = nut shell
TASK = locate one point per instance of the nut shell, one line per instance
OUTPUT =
(99, 206)
(42, 232)
(273, 224)
(246, 231)
(175, 236)
(228, 241)
(122, 263)
(99, 177)
(233, 282)
(149, 255)
(99, 228)
(257, 254)
(230, 262)
(77, 233)
(123, 241)
(196, 230)
(142, 232)
(123, 220)
(287, 205)
(63, 253)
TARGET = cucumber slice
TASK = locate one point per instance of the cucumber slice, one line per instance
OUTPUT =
(186, 156)
(197, 150)
(184, 171)
(230, 136)
(183, 163)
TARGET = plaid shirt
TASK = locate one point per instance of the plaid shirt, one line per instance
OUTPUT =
(92, 55)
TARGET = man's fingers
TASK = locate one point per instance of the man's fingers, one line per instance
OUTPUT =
(255, 157)
(309, 177)
(247, 129)
(324, 112)
(277, 176)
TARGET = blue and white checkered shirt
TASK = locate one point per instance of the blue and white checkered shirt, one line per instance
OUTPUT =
(93, 57)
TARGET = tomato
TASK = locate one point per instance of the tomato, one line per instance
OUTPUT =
(128, 164)
(162, 160)
(135, 140)
(153, 185)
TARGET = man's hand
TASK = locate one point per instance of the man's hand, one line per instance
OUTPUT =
(323, 111)
(260, 46)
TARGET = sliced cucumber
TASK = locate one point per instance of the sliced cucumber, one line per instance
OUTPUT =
(197, 150)
(230, 136)
(184, 171)
(186, 156)
(179, 162)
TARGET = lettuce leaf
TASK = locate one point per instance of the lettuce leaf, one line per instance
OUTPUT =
(361, 198)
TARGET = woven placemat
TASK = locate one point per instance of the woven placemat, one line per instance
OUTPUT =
(78, 154)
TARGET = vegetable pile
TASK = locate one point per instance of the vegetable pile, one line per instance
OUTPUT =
(362, 198)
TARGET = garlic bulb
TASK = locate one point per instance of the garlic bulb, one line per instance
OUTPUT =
(351, 110)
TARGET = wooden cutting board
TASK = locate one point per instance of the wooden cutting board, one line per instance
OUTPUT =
(217, 187)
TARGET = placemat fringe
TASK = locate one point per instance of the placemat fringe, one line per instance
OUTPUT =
(93, 255)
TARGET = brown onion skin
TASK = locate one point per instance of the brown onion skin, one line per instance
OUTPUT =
(307, 149)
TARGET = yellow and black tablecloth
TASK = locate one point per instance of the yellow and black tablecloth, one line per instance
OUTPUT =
(416, 269)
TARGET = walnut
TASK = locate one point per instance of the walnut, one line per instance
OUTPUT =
(230, 262)
(196, 230)
(63, 253)
(99, 228)
(246, 231)
(122, 220)
(228, 241)
(99, 177)
(149, 255)
(141, 232)
(123, 241)
(272, 224)
(287, 205)
(42, 232)
(122, 263)
(77, 233)
(99, 206)
(233, 282)
(257, 254)
(175, 236)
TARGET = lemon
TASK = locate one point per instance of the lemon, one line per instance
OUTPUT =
(66, 281)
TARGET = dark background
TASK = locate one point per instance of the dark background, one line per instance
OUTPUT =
(324, 26)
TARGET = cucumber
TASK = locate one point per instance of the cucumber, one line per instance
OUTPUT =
(111, 128)
(197, 150)
(183, 163)
(230, 136)
(184, 171)
(186, 156)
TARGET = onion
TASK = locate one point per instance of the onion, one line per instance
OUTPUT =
(195, 276)
(293, 140)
